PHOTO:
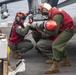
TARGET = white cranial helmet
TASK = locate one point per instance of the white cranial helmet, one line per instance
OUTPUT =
(45, 6)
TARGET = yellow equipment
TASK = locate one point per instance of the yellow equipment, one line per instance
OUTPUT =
(9, 51)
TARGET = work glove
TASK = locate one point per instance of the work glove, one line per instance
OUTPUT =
(43, 34)
(41, 26)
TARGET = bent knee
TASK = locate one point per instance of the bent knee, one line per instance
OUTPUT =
(31, 45)
(54, 46)
(38, 45)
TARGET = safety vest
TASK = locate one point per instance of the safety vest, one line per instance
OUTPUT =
(14, 38)
(67, 20)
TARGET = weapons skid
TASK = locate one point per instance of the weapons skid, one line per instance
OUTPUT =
(20, 67)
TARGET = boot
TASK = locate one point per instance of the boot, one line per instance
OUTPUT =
(53, 69)
(49, 61)
(65, 62)
(16, 55)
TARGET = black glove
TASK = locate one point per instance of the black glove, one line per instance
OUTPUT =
(26, 15)
(41, 26)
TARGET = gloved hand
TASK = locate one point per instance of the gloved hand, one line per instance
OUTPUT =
(26, 14)
(41, 26)
(30, 19)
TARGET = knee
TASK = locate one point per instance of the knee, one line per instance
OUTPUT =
(41, 46)
(38, 45)
(54, 46)
(31, 45)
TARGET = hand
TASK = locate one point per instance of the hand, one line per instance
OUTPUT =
(30, 19)
(40, 27)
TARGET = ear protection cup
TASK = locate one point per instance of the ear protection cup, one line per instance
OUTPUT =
(45, 12)
(20, 16)
(23, 18)
(17, 19)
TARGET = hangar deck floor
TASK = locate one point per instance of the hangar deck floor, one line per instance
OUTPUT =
(35, 62)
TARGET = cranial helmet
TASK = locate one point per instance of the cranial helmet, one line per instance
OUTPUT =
(45, 6)
(20, 16)
(50, 25)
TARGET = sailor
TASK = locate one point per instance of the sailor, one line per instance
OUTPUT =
(17, 43)
(59, 29)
